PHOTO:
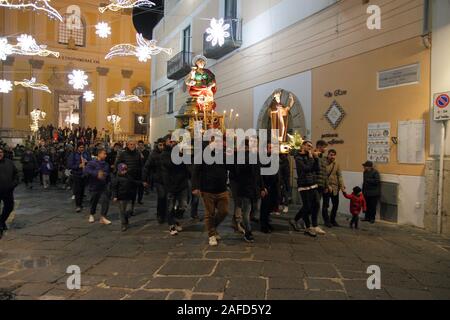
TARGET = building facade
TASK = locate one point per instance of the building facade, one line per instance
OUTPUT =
(350, 81)
(80, 48)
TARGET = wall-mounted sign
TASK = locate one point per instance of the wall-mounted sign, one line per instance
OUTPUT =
(442, 106)
(335, 114)
(403, 76)
(334, 139)
(378, 142)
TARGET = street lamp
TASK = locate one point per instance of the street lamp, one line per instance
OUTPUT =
(36, 116)
(114, 120)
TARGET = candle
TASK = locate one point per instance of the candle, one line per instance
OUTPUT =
(230, 122)
(236, 120)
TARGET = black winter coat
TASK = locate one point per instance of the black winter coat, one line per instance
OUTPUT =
(307, 169)
(372, 183)
(175, 177)
(248, 179)
(9, 177)
(124, 187)
(153, 169)
(134, 161)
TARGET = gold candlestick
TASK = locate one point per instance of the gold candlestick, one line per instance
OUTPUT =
(230, 121)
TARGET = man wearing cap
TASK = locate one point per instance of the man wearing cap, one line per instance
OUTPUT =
(371, 190)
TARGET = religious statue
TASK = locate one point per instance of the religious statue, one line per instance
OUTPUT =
(279, 114)
(22, 108)
(202, 85)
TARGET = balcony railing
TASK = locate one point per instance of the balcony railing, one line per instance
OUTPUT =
(232, 43)
(179, 66)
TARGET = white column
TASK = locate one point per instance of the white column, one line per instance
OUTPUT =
(101, 96)
(125, 108)
(440, 68)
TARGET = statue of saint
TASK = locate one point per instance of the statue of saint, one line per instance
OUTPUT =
(201, 83)
(279, 114)
(21, 108)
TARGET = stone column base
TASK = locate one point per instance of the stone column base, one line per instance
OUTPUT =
(431, 196)
(12, 137)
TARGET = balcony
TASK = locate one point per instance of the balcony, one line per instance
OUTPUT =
(232, 43)
(179, 66)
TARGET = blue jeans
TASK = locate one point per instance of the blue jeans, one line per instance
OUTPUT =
(248, 205)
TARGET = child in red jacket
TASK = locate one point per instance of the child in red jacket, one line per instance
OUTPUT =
(357, 204)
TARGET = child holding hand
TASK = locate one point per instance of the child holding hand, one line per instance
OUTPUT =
(357, 205)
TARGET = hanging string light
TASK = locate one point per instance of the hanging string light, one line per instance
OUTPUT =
(217, 32)
(103, 30)
(88, 96)
(26, 45)
(78, 79)
(117, 5)
(33, 85)
(122, 97)
(5, 86)
(144, 50)
(40, 5)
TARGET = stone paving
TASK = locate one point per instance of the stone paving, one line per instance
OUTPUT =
(46, 236)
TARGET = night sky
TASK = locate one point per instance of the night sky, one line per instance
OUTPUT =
(145, 19)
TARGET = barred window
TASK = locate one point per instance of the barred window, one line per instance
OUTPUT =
(72, 26)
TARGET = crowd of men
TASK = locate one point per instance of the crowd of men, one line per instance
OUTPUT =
(124, 175)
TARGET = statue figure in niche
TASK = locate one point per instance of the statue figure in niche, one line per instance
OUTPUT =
(22, 104)
(279, 114)
(201, 83)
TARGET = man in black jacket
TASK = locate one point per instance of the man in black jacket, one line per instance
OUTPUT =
(307, 170)
(9, 179)
(153, 175)
(371, 190)
(134, 161)
(175, 177)
(210, 181)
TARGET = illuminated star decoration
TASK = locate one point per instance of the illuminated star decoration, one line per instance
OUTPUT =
(27, 46)
(40, 5)
(5, 86)
(103, 30)
(217, 32)
(88, 96)
(116, 5)
(78, 79)
(122, 97)
(5, 49)
(144, 50)
(32, 84)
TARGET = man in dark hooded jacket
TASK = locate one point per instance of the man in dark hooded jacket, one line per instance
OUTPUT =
(9, 179)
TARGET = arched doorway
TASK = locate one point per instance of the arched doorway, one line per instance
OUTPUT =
(296, 122)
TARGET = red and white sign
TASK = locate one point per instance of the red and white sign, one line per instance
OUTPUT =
(442, 106)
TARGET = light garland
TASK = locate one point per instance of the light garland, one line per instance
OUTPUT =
(217, 32)
(5, 86)
(103, 30)
(78, 79)
(117, 5)
(36, 116)
(88, 96)
(26, 46)
(33, 85)
(41, 5)
(122, 97)
(144, 50)
(5, 49)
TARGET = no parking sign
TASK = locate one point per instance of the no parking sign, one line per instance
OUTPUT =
(442, 106)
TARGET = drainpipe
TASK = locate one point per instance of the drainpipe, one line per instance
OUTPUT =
(441, 177)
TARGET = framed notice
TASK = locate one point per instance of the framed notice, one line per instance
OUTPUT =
(411, 142)
(398, 77)
(378, 142)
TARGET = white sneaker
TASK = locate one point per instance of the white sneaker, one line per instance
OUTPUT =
(218, 237)
(73, 197)
(179, 228)
(105, 221)
(319, 231)
(213, 241)
(91, 219)
(173, 231)
(286, 209)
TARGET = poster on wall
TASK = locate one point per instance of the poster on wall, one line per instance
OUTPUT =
(411, 142)
(379, 137)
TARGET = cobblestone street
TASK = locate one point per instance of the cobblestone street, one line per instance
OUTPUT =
(46, 236)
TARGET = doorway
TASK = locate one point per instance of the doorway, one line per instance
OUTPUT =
(70, 107)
